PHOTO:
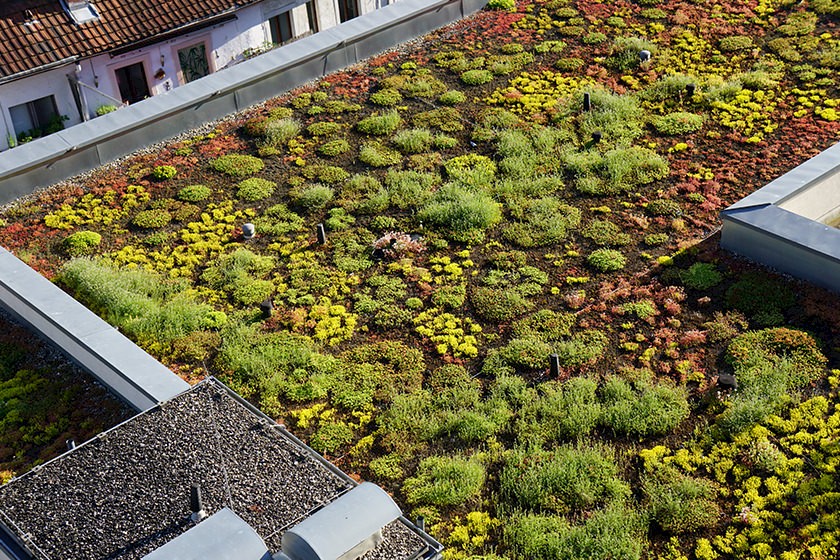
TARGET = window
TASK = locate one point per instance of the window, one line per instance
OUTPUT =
(347, 10)
(193, 62)
(131, 80)
(312, 16)
(281, 28)
(36, 118)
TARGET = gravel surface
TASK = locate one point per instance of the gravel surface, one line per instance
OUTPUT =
(126, 492)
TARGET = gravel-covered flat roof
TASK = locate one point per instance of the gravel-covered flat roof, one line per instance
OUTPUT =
(126, 492)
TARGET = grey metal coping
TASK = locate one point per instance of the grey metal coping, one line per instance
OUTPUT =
(782, 224)
(801, 177)
(98, 347)
(93, 143)
(222, 536)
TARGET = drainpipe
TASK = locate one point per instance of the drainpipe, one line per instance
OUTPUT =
(79, 94)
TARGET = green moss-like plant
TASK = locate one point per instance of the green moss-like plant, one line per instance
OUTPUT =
(164, 172)
(152, 219)
(237, 165)
(380, 124)
(81, 243)
(677, 123)
(194, 193)
(255, 189)
(476, 77)
(606, 260)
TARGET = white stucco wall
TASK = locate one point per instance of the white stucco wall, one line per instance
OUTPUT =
(226, 44)
(53, 82)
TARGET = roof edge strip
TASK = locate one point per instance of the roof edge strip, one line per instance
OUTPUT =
(222, 17)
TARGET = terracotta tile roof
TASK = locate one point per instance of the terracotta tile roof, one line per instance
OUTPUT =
(34, 33)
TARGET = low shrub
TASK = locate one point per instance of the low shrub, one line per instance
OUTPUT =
(105, 109)
(549, 46)
(330, 174)
(380, 124)
(539, 222)
(663, 207)
(81, 243)
(338, 219)
(594, 38)
(606, 260)
(545, 323)
(445, 119)
(444, 481)
(581, 349)
(164, 172)
(278, 220)
(572, 64)
(255, 189)
(237, 165)
(526, 353)
(152, 219)
(450, 297)
(242, 276)
(656, 239)
(331, 436)
(194, 193)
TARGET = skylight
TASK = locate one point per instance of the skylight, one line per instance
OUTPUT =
(81, 11)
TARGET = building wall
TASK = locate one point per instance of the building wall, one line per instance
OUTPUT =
(91, 144)
(227, 44)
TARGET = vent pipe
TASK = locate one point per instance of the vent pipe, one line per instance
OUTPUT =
(196, 504)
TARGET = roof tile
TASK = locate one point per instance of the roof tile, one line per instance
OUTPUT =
(120, 24)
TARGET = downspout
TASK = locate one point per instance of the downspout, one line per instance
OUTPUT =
(79, 94)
